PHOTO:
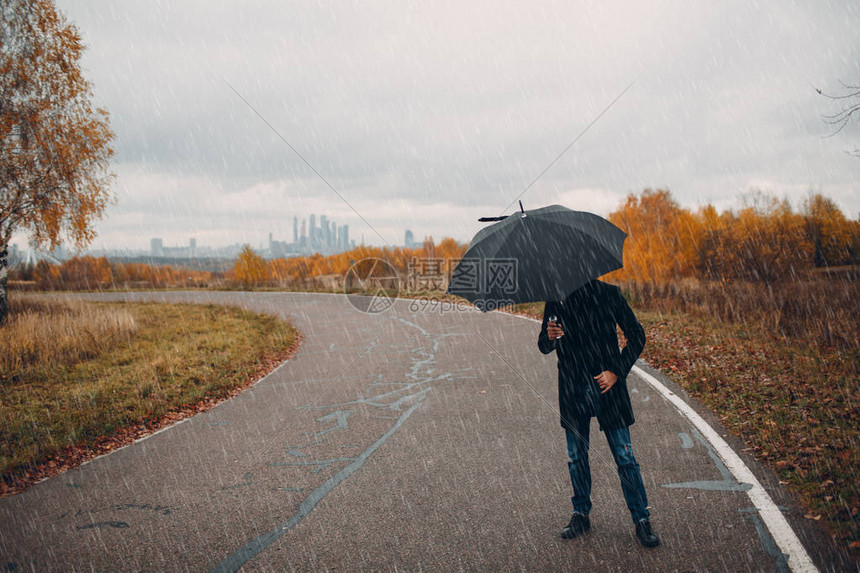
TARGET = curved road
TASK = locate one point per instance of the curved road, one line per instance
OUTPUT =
(408, 440)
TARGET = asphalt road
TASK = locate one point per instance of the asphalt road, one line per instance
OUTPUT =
(409, 439)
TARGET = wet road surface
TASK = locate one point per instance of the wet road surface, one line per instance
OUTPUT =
(404, 439)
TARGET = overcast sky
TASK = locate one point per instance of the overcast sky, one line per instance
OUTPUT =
(427, 115)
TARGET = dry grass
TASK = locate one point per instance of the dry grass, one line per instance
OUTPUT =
(794, 404)
(820, 312)
(178, 359)
(53, 334)
(780, 366)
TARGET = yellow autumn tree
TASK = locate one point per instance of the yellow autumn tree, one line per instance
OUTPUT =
(662, 238)
(250, 268)
(828, 230)
(54, 145)
(764, 242)
(298, 269)
(450, 249)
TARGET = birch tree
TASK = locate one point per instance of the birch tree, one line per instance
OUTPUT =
(54, 144)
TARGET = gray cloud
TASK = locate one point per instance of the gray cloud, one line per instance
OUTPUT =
(459, 106)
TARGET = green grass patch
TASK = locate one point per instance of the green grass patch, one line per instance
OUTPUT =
(179, 356)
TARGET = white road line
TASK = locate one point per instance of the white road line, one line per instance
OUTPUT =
(782, 533)
(780, 530)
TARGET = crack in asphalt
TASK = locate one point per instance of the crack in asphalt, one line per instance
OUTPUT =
(410, 392)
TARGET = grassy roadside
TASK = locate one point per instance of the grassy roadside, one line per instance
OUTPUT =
(794, 405)
(172, 361)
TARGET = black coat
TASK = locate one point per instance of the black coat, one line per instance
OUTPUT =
(590, 346)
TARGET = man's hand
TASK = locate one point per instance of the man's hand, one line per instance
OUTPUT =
(553, 331)
(606, 380)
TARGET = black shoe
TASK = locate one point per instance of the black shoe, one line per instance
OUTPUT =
(646, 537)
(579, 523)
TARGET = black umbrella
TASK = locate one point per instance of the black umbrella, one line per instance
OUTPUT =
(537, 255)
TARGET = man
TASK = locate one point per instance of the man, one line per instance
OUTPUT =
(592, 381)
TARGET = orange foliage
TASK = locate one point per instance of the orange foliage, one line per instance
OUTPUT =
(302, 270)
(90, 273)
(250, 268)
(834, 238)
(54, 146)
(661, 237)
(450, 249)
(765, 241)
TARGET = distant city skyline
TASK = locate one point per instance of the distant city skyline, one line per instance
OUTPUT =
(327, 238)
(315, 233)
(429, 116)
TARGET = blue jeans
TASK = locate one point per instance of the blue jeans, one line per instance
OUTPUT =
(628, 469)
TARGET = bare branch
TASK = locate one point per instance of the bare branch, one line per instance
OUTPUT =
(837, 97)
(842, 117)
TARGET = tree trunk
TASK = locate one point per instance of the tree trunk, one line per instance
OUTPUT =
(4, 273)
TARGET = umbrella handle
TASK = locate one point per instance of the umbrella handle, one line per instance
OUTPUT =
(499, 218)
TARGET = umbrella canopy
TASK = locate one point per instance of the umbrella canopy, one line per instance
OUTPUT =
(536, 255)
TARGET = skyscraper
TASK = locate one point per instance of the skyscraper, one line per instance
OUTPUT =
(323, 232)
(295, 230)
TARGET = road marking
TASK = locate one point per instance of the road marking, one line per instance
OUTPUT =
(767, 541)
(686, 442)
(256, 546)
(725, 484)
(780, 530)
(782, 533)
